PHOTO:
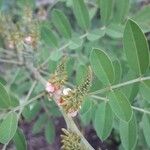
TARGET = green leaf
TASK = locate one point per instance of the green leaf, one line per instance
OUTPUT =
(120, 105)
(122, 8)
(14, 99)
(132, 90)
(39, 124)
(2, 81)
(102, 66)
(106, 9)
(86, 111)
(115, 30)
(48, 37)
(136, 48)
(31, 111)
(96, 34)
(103, 120)
(19, 140)
(146, 128)
(61, 23)
(118, 71)
(8, 128)
(81, 14)
(27, 3)
(56, 55)
(142, 18)
(145, 89)
(50, 132)
(128, 133)
(75, 43)
(5, 101)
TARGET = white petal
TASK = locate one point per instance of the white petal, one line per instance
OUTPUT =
(66, 91)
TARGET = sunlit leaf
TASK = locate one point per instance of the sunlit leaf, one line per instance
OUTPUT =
(128, 133)
(81, 13)
(136, 48)
(48, 37)
(102, 66)
(8, 127)
(106, 10)
(146, 128)
(120, 105)
(50, 132)
(122, 8)
(5, 101)
(61, 23)
(19, 140)
(142, 18)
(103, 120)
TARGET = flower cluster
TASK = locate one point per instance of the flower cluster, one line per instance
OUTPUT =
(71, 141)
(69, 99)
(20, 31)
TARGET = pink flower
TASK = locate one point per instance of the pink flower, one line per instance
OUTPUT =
(49, 87)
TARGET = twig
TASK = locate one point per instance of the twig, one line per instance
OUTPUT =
(5, 146)
(133, 107)
(61, 48)
(10, 61)
(120, 85)
(69, 121)
(27, 97)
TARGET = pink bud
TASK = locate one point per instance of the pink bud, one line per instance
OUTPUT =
(49, 87)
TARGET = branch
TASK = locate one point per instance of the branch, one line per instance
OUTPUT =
(120, 85)
(133, 107)
(27, 97)
(61, 48)
(69, 121)
(10, 61)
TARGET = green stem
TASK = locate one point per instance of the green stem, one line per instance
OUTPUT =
(120, 85)
(27, 97)
(60, 49)
(10, 61)
(133, 107)
(29, 101)
(69, 121)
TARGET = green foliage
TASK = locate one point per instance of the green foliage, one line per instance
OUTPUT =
(50, 132)
(93, 34)
(5, 101)
(61, 23)
(39, 124)
(106, 9)
(81, 13)
(19, 140)
(122, 8)
(120, 105)
(146, 128)
(144, 89)
(86, 111)
(142, 18)
(48, 37)
(136, 49)
(128, 133)
(102, 66)
(8, 127)
(103, 120)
